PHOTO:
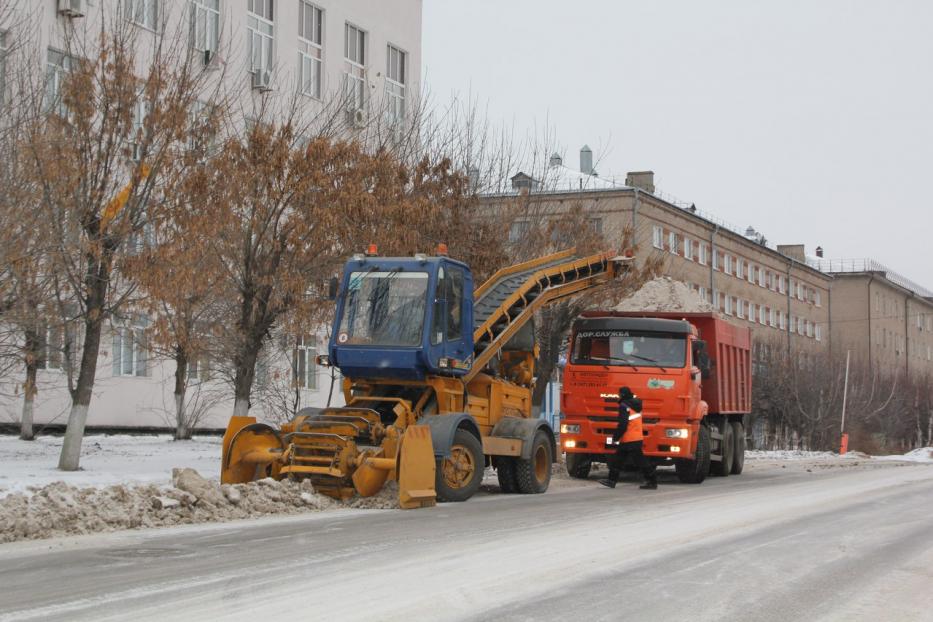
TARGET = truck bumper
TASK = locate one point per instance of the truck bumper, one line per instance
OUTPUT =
(582, 435)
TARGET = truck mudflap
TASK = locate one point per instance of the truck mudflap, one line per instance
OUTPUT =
(444, 427)
(525, 430)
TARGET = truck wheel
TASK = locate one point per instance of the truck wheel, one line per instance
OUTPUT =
(459, 476)
(727, 450)
(505, 471)
(738, 460)
(578, 465)
(534, 474)
(695, 471)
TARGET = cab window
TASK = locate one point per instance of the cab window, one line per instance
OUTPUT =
(454, 304)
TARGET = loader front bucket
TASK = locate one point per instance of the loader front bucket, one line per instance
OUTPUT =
(416, 467)
(251, 451)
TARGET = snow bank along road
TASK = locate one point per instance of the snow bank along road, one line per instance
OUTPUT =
(777, 543)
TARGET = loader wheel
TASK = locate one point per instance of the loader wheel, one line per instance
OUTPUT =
(727, 451)
(695, 471)
(579, 465)
(506, 472)
(534, 473)
(459, 476)
(738, 460)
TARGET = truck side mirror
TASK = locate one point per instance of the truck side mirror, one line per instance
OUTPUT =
(332, 288)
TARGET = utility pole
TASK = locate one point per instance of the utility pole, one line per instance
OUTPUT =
(844, 443)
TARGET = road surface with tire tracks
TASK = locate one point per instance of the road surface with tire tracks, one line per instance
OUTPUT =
(783, 541)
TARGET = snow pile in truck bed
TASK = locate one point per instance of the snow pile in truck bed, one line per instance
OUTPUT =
(60, 509)
(665, 294)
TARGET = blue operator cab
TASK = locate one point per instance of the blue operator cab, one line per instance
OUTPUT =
(403, 318)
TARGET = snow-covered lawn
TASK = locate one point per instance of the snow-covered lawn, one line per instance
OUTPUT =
(924, 454)
(105, 460)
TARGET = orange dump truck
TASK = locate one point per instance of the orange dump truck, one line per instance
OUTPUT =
(692, 372)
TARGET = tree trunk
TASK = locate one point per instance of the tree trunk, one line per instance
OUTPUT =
(96, 281)
(245, 362)
(182, 431)
(30, 389)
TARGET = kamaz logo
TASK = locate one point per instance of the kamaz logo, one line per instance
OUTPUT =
(613, 396)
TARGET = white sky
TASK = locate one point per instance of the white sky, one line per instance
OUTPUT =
(810, 120)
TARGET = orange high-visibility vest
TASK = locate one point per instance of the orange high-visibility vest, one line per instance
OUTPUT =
(633, 433)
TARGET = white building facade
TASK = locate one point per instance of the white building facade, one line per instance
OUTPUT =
(366, 54)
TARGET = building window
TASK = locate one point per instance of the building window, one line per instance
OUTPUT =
(57, 67)
(130, 356)
(518, 230)
(657, 239)
(596, 224)
(396, 73)
(199, 368)
(143, 13)
(799, 291)
(728, 266)
(703, 294)
(310, 48)
(762, 315)
(729, 300)
(739, 308)
(737, 267)
(704, 254)
(688, 248)
(782, 320)
(304, 370)
(716, 260)
(259, 23)
(355, 75)
(205, 24)
(56, 347)
(817, 332)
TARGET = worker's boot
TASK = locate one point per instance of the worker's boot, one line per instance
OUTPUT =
(610, 482)
(650, 484)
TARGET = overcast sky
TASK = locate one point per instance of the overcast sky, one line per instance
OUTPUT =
(811, 121)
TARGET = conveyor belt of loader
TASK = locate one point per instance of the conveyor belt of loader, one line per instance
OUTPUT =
(508, 300)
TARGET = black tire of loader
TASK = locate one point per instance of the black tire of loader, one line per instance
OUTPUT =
(738, 460)
(534, 474)
(505, 471)
(695, 471)
(445, 492)
(723, 467)
(579, 465)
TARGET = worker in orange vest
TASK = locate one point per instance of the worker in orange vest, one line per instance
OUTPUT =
(629, 439)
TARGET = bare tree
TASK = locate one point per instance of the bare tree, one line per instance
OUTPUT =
(108, 116)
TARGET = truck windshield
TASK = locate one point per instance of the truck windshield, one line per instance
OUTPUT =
(631, 348)
(384, 308)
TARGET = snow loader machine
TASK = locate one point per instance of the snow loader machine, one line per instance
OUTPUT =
(436, 378)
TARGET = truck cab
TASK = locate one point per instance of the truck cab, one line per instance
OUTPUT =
(666, 363)
(403, 318)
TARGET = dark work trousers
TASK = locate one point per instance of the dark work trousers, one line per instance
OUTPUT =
(633, 449)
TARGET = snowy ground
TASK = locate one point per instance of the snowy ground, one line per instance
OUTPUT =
(124, 459)
(105, 460)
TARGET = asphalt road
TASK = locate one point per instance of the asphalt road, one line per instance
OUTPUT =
(777, 543)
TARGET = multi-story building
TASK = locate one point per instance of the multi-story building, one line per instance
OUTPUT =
(773, 290)
(366, 56)
(883, 318)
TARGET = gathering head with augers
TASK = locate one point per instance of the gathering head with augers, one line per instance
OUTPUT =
(437, 382)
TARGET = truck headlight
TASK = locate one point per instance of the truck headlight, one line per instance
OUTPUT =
(569, 428)
(677, 433)
(570, 444)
